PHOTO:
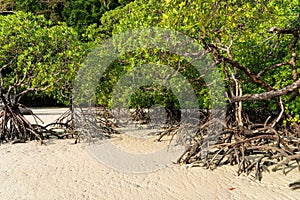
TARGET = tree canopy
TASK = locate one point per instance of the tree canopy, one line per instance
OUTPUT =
(37, 56)
(240, 31)
(260, 59)
(246, 33)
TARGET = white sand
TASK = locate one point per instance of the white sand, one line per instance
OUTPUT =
(63, 170)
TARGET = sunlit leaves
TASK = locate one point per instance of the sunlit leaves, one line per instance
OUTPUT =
(44, 53)
(244, 23)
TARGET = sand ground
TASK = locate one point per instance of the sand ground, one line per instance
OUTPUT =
(63, 170)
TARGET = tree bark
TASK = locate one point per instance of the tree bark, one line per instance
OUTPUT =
(268, 95)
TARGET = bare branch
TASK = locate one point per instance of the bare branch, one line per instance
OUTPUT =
(269, 95)
(7, 12)
(272, 67)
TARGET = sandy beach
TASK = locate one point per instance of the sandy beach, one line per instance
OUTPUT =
(64, 170)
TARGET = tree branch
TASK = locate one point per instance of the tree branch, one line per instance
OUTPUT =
(272, 67)
(270, 94)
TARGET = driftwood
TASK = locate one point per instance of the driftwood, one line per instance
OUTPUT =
(295, 185)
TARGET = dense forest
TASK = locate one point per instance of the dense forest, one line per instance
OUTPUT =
(254, 45)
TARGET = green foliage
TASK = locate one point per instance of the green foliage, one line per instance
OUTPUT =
(44, 54)
(246, 23)
(242, 24)
(81, 13)
(50, 9)
(78, 14)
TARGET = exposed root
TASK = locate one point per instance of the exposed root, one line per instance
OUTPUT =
(15, 128)
(253, 148)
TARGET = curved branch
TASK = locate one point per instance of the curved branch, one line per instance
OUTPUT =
(268, 95)
(272, 67)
